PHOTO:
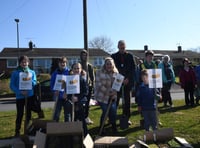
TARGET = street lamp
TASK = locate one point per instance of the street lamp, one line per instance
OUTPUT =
(17, 21)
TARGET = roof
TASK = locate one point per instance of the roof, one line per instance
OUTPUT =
(48, 52)
(174, 54)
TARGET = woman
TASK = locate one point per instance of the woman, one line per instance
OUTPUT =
(188, 81)
(104, 93)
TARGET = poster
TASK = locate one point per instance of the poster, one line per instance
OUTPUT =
(60, 83)
(117, 82)
(155, 78)
(25, 81)
(73, 84)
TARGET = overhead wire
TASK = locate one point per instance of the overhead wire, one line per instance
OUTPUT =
(14, 11)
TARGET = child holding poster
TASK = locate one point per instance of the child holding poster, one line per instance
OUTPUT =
(23, 79)
(57, 84)
(80, 97)
(147, 102)
(104, 93)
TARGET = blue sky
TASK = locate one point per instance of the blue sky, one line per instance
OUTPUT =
(160, 24)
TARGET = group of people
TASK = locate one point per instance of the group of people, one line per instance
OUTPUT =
(100, 82)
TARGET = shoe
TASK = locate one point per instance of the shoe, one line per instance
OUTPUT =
(171, 106)
(41, 114)
(88, 120)
(129, 122)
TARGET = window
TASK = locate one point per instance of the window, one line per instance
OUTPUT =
(72, 61)
(42, 65)
(98, 61)
(12, 63)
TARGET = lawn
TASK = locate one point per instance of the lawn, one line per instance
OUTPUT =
(184, 120)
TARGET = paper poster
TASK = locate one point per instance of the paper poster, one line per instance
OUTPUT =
(60, 83)
(155, 78)
(117, 82)
(73, 84)
(25, 81)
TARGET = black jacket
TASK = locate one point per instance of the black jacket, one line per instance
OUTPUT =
(125, 65)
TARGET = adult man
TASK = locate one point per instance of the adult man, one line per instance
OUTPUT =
(90, 80)
(126, 66)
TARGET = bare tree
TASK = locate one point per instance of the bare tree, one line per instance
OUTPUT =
(102, 42)
(197, 49)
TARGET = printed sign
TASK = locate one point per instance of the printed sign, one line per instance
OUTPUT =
(117, 82)
(25, 81)
(73, 84)
(155, 78)
(60, 83)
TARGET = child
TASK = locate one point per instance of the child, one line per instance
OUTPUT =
(81, 98)
(61, 96)
(21, 95)
(147, 102)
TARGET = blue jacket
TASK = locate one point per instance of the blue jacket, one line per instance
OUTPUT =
(14, 83)
(53, 79)
(146, 97)
(164, 77)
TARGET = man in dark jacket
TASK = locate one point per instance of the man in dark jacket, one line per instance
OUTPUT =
(90, 77)
(126, 66)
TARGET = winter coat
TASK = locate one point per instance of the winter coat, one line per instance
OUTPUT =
(53, 79)
(103, 86)
(187, 77)
(14, 82)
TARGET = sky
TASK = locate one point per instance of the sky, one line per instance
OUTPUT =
(160, 24)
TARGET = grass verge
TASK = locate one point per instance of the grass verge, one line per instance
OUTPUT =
(184, 120)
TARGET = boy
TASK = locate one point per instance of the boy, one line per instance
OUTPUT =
(147, 102)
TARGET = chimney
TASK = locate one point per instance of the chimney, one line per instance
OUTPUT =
(30, 44)
(179, 49)
(145, 47)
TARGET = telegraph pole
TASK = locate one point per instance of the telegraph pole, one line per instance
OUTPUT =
(85, 25)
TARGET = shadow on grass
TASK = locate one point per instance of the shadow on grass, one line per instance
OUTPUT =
(174, 109)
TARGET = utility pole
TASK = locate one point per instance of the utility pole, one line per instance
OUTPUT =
(17, 22)
(85, 25)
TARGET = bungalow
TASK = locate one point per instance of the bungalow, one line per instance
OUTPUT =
(41, 59)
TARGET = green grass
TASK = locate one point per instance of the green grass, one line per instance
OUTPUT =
(184, 120)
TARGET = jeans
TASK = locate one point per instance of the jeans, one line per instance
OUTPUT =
(166, 93)
(67, 110)
(112, 112)
(189, 94)
(150, 119)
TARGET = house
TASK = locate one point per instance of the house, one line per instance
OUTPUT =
(176, 56)
(41, 59)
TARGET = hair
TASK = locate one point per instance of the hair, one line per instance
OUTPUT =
(186, 59)
(84, 51)
(24, 57)
(83, 72)
(113, 64)
(149, 52)
(61, 59)
(166, 56)
(144, 73)
(121, 42)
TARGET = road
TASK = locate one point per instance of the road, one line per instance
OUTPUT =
(10, 104)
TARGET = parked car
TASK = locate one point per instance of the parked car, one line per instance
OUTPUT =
(43, 91)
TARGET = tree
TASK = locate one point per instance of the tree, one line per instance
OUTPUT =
(102, 42)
